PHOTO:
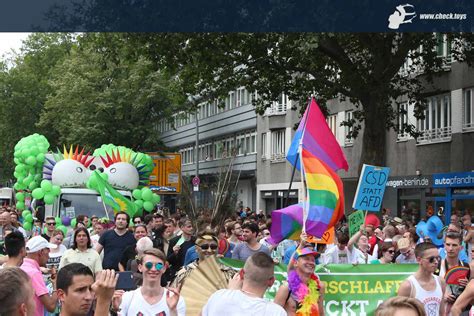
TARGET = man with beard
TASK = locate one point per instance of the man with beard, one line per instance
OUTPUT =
(114, 241)
(250, 245)
(423, 285)
(302, 279)
(206, 246)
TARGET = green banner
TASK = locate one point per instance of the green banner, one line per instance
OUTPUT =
(356, 219)
(350, 290)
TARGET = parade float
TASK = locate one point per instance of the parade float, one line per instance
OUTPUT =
(69, 182)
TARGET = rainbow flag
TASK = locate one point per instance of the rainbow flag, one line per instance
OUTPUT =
(325, 204)
(318, 139)
(287, 223)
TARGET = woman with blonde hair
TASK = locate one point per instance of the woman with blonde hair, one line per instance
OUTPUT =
(401, 306)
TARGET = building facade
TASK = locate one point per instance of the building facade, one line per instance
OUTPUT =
(226, 135)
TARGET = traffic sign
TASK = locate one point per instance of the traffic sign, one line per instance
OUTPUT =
(196, 181)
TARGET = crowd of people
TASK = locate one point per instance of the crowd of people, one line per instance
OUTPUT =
(74, 273)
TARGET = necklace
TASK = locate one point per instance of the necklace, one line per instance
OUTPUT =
(250, 293)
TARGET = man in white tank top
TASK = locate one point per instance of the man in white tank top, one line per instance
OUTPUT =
(423, 285)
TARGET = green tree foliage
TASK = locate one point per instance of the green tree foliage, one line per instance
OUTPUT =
(89, 89)
(361, 67)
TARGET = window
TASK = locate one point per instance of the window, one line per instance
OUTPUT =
(280, 106)
(187, 155)
(264, 146)
(205, 152)
(348, 116)
(278, 145)
(443, 47)
(218, 148)
(402, 110)
(246, 143)
(436, 126)
(242, 97)
(332, 123)
(468, 113)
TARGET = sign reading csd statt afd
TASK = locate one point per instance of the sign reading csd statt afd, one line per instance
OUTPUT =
(371, 188)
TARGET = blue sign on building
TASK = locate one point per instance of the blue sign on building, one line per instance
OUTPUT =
(371, 187)
(452, 180)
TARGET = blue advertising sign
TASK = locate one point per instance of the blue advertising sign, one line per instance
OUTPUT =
(455, 179)
(371, 188)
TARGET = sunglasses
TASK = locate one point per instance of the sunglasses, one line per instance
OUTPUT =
(149, 265)
(207, 246)
(137, 222)
(432, 259)
(52, 223)
(391, 251)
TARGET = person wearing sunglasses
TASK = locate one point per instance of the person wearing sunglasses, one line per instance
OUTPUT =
(151, 298)
(386, 254)
(206, 246)
(50, 224)
(423, 285)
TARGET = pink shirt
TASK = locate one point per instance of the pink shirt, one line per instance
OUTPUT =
(32, 268)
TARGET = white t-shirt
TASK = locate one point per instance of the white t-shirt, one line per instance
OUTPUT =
(336, 256)
(134, 304)
(358, 256)
(236, 303)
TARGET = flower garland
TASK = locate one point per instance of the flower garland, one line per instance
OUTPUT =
(305, 295)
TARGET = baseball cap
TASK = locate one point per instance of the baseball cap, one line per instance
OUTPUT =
(38, 243)
(304, 252)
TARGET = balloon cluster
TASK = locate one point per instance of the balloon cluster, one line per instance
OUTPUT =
(145, 199)
(47, 191)
(92, 182)
(29, 156)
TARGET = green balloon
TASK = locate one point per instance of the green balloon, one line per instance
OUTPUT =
(33, 185)
(92, 183)
(137, 194)
(38, 193)
(48, 198)
(147, 194)
(73, 223)
(63, 229)
(17, 186)
(27, 225)
(139, 203)
(156, 198)
(25, 213)
(29, 218)
(40, 157)
(58, 221)
(46, 186)
(148, 206)
(20, 205)
(20, 196)
(56, 190)
(31, 160)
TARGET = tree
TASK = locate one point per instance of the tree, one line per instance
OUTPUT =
(24, 88)
(106, 92)
(361, 67)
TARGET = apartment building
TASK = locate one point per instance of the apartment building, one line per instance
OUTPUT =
(222, 133)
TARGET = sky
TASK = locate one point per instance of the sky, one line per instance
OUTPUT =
(9, 41)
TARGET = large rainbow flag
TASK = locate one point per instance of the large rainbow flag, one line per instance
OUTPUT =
(321, 156)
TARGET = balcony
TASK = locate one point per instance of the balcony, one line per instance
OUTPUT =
(436, 135)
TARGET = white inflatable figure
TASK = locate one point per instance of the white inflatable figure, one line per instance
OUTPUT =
(398, 17)
(68, 170)
(122, 169)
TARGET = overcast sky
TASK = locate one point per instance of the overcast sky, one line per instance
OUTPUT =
(9, 41)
